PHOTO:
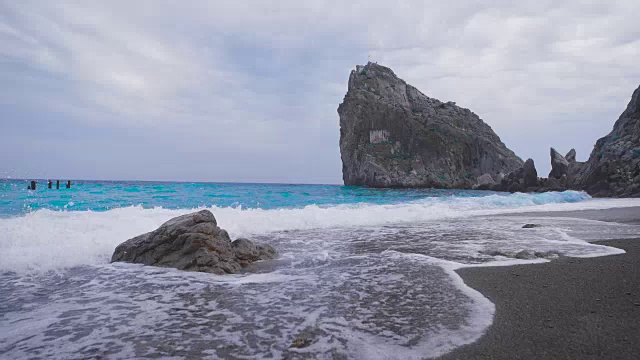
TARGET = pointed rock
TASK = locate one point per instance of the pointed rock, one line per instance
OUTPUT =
(530, 175)
(571, 156)
(559, 165)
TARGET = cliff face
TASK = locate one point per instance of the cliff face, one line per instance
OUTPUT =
(392, 135)
(613, 169)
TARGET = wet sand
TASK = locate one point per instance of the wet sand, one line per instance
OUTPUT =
(569, 308)
(628, 215)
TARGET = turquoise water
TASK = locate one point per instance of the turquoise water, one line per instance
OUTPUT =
(15, 199)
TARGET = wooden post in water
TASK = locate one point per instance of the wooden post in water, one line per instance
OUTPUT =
(49, 184)
(33, 185)
(57, 184)
(69, 184)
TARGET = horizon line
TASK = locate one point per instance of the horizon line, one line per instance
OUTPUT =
(170, 181)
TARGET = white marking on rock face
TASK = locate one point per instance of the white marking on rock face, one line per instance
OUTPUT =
(378, 136)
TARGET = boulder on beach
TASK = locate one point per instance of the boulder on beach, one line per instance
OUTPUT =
(192, 242)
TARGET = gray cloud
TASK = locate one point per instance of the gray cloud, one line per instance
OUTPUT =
(248, 90)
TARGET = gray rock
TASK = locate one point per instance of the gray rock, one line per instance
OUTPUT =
(559, 165)
(248, 251)
(484, 182)
(530, 175)
(547, 254)
(515, 187)
(530, 226)
(553, 184)
(392, 135)
(192, 242)
(524, 179)
(571, 156)
(614, 163)
(525, 255)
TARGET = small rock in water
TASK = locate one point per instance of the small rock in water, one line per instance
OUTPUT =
(192, 242)
(547, 254)
(525, 255)
(305, 337)
(529, 226)
(300, 343)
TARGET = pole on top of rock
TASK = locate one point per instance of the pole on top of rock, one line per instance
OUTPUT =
(69, 184)
(57, 184)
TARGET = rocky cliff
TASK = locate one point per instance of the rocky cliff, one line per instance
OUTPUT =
(392, 135)
(613, 168)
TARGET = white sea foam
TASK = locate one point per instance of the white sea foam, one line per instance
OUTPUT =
(45, 239)
(366, 307)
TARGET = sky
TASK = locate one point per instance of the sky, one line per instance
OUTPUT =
(247, 91)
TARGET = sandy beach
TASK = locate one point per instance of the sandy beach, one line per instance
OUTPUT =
(569, 308)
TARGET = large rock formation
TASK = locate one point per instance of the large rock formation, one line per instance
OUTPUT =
(392, 135)
(613, 169)
(192, 242)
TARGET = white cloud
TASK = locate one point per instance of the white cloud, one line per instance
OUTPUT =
(269, 75)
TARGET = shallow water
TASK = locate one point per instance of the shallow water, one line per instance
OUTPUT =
(359, 279)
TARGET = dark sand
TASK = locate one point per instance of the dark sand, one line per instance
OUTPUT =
(570, 308)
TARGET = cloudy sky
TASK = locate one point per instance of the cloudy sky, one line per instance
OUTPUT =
(248, 90)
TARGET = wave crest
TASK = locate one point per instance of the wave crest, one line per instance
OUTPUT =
(46, 239)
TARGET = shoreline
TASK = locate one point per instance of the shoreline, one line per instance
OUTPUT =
(568, 308)
(621, 215)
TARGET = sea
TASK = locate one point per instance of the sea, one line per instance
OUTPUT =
(361, 274)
